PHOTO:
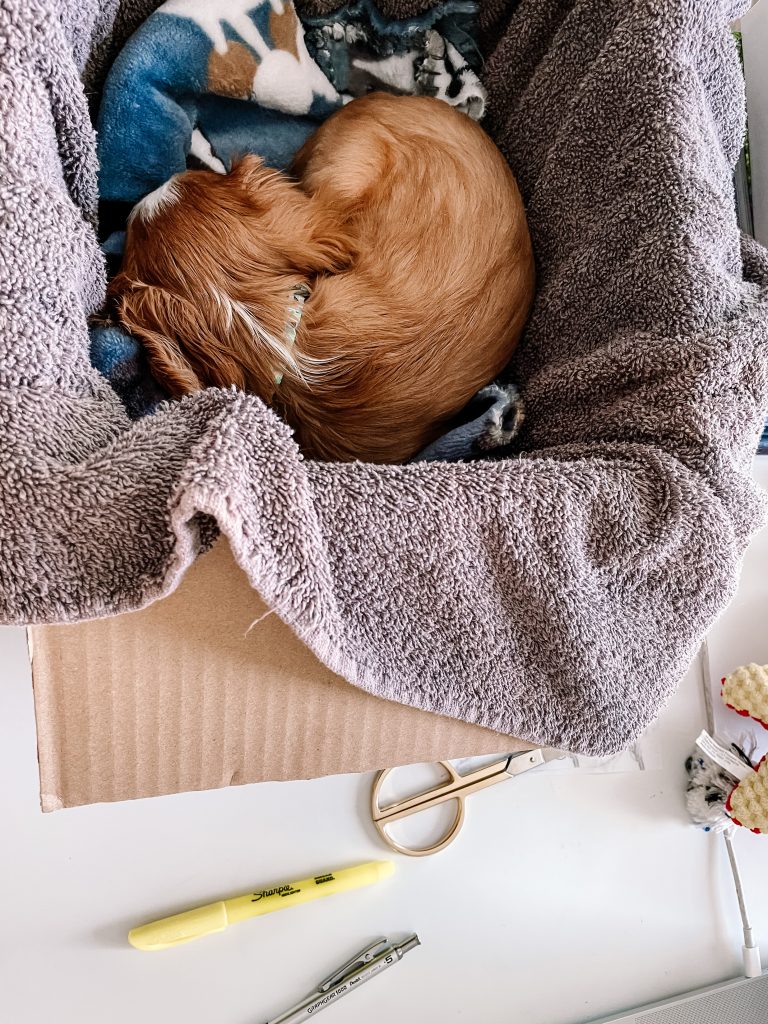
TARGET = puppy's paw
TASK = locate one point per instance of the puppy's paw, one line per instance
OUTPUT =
(490, 420)
(504, 417)
(432, 72)
(445, 74)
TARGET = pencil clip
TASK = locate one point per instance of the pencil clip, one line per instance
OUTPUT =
(359, 960)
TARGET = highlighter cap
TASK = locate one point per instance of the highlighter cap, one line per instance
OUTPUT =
(384, 868)
(172, 931)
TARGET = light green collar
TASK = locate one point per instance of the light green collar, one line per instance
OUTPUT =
(295, 313)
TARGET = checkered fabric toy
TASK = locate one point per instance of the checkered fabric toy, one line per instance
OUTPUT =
(746, 691)
(747, 804)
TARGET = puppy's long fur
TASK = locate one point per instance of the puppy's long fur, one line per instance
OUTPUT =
(408, 228)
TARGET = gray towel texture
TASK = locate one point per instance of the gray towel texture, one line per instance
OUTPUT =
(557, 594)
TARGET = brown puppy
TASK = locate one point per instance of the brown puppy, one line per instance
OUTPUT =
(407, 233)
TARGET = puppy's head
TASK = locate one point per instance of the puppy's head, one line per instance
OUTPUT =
(210, 267)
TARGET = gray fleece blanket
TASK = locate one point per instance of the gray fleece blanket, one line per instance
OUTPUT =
(557, 594)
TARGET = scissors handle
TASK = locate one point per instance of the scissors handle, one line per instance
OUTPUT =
(456, 789)
(382, 816)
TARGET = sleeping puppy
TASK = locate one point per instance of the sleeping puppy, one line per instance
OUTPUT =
(365, 300)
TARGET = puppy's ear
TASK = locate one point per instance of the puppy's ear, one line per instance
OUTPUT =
(182, 355)
(168, 364)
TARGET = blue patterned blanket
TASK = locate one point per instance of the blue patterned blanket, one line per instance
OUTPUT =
(203, 82)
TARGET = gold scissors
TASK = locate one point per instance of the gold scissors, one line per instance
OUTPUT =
(457, 787)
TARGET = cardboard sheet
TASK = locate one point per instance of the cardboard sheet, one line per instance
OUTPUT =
(182, 696)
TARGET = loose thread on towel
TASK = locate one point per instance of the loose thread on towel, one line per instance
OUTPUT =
(259, 620)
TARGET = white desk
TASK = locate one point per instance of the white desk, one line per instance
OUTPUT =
(565, 898)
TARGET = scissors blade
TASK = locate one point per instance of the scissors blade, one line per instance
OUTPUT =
(456, 788)
(528, 759)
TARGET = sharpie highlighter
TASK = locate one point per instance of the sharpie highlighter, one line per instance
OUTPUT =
(214, 917)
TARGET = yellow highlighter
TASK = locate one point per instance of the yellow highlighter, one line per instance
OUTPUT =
(193, 924)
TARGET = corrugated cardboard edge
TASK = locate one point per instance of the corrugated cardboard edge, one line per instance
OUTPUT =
(207, 688)
(45, 735)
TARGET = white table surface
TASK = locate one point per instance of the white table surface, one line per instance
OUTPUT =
(567, 897)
